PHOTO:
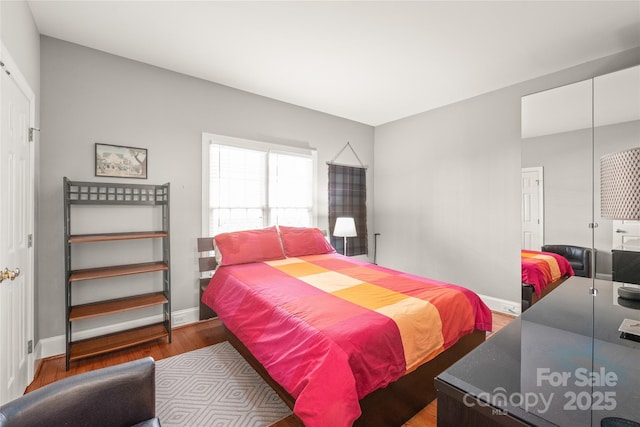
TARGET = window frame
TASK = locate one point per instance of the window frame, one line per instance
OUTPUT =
(210, 138)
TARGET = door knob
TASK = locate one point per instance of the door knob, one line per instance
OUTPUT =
(9, 274)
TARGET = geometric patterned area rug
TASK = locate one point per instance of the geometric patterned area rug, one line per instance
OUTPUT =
(214, 387)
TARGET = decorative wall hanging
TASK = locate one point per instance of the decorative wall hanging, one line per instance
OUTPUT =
(348, 198)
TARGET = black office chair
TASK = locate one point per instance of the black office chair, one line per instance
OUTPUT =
(578, 256)
(119, 396)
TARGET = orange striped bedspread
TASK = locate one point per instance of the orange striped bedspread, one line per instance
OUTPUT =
(541, 268)
(332, 329)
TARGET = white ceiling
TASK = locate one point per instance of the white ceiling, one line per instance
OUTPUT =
(369, 61)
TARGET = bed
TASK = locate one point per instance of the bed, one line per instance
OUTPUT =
(341, 340)
(542, 272)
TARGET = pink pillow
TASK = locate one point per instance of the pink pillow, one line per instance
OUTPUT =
(241, 247)
(300, 241)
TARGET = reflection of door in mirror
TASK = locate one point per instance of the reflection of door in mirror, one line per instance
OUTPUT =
(532, 208)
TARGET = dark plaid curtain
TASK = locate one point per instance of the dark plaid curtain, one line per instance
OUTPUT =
(348, 197)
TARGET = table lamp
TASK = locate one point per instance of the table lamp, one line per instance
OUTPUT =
(345, 227)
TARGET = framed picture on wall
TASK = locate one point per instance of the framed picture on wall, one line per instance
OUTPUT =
(121, 162)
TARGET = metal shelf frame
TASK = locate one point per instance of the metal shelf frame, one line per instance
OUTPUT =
(106, 193)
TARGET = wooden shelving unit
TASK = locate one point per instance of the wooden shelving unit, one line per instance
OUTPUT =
(116, 270)
(117, 341)
(106, 237)
(98, 193)
(95, 309)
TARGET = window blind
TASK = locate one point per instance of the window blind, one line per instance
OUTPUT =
(259, 185)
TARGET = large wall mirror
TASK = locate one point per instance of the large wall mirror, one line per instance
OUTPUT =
(565, 132)
(571, 136)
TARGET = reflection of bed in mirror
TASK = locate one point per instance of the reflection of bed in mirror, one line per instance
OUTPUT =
(542, 272)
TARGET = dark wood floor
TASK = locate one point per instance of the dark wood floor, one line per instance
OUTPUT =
(185, 338)
(188, 338)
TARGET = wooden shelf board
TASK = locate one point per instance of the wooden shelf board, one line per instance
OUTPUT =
(103, 308)
(117, 341)
(104, 237)
(116, 270)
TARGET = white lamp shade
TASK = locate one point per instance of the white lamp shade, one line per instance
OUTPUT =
(620, 185)
(345, 227)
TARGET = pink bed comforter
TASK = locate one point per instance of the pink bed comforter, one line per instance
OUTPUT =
(541, 268)
(331, 329)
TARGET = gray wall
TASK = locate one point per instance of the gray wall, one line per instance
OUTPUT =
(566, 161)
(446, 196)
(447, 185)
(90, 96)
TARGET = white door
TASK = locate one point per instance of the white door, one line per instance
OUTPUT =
(626, 233)
(532, 208)
(16, 224)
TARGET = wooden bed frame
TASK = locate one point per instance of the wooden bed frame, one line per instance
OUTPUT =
(529, 296)
(391, 406)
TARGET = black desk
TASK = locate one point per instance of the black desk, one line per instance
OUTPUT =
(626, 264)
(540, 369)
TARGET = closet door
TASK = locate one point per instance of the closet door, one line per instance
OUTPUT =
(616, 162)
(556, 332)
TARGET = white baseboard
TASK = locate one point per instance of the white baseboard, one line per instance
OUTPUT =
(502, 305)
(55, 346)
(184, 317)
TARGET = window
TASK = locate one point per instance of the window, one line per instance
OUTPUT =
(250, 184)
